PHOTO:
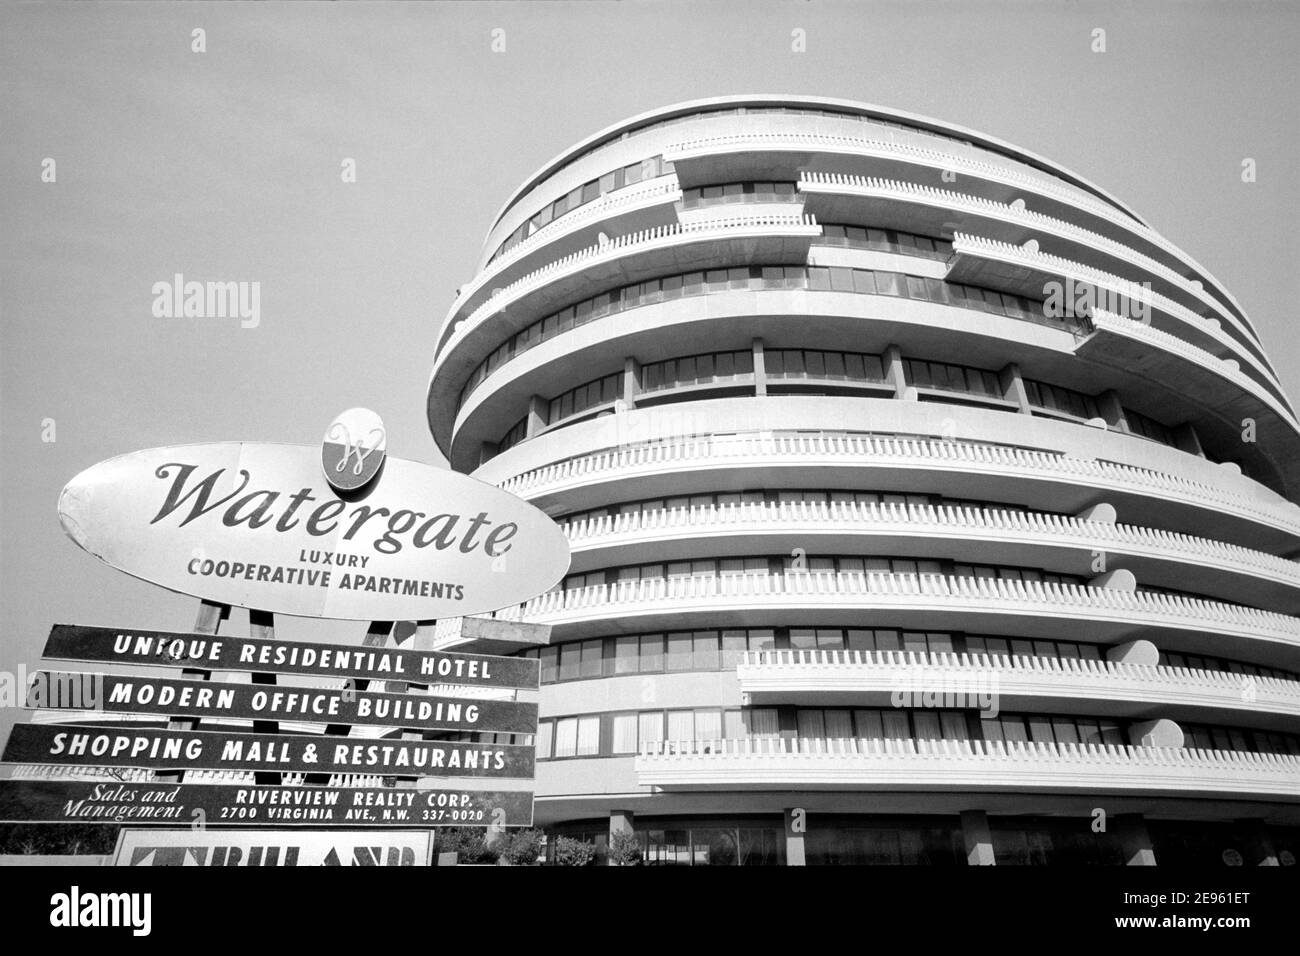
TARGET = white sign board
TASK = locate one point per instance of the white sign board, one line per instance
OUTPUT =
(257, 525)
(147, 847)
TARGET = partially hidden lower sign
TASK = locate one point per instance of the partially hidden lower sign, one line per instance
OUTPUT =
(158, 749)
(69, 642)
(257, 525)
(188, 804)
(178, 697)
(273, 848)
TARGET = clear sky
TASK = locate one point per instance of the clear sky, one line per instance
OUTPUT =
(226, 165)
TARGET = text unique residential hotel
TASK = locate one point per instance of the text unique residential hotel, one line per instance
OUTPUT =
(926, 506)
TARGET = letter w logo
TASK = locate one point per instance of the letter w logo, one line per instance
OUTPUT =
(340, 431)
(350, 462)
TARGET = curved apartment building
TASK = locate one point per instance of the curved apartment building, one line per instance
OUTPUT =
(926, 505)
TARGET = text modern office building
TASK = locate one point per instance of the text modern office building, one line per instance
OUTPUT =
(926, 506)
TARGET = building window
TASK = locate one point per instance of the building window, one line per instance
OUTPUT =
(624, 730)
(1064, 401)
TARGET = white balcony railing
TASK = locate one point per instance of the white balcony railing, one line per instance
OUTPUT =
(977, 205)
(964, 765)
(1017, 255)
(913, 520)
(895, 451)
(855, 671)
(662, 189)
(905, 592)
(1224, 368)
(1041, 183)
(719, 227)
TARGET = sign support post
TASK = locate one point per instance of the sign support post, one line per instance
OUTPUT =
(261, 627)
(208, 621)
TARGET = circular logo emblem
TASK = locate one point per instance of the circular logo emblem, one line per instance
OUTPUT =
(353, 449)
(1233, 857)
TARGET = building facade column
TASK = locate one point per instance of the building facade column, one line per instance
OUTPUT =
(1013, 387)
(1111, 410)
(631, 381)
(620, 821)
(895, 374)
(538, 409)
(760, 368)
(977, 838)
(796, 823)
(1134, 841)
(1186, 438)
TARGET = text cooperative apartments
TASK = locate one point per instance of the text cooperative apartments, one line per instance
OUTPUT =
(794, 377)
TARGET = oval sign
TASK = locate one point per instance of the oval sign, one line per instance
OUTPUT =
(257, 526)
(353, 449)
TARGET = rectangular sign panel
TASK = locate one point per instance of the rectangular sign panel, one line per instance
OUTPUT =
(80, 801)
(70, 642)
(156, 749)
(273, 848)
(178, 697)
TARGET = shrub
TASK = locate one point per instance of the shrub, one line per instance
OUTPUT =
(624, 848)
(571, 852)
(520, 848)
(468, 843)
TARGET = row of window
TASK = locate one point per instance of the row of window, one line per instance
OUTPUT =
(737, 366)
(815, 278)
(733, 366)
(1202, 662)
(1140, 424)
(1053, 398)
(599, 391)
(952, 378)
(886, 240)
(707, 650)
(624, 733)
(650, 653)
(711, 368)
(725, 499)
(783, 564)
(678, 845)
(1064, 401)
(589, 191)
(832, 840)
(737, 193)
(822, 364)
(1234, 738)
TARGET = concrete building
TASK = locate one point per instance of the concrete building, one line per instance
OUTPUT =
(926, 505)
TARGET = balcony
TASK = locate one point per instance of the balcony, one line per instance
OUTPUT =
(1041, 479)
(918, 601)
(1217, 385)
(766, 155)
(1026, 271)
(1059, 543)
(1056, 685)
(751, 238)
(953, 765)
(927, 211)
(647, 205)
(728, 157)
